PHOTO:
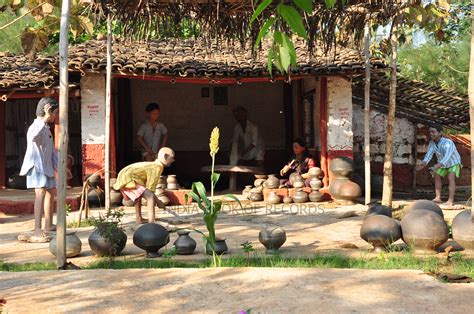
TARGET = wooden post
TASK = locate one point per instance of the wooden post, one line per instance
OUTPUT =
(63, 135)
(387, 193)
(108, 87)
(324, 130)
(470, 90)
(367, 115)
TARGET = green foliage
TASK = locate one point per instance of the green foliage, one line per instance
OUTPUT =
(109, 226)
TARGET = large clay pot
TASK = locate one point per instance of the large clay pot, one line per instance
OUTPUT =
(463, 230)
(424, 230)
(315, 183)
(349, 191)
(335, 186)
(73, 245)
(315, 196)
(16, 182)
(246, 191)
(220, 246)
(315, 172)
(300, 196)
(272, 182)
(341, 166)
(424, 204)
(272, 238)
(151, 237)
(185, 245)
(379, 209)
(115, 198)
(380, 231)
(96, 198)
(107, 247)
(273, 198)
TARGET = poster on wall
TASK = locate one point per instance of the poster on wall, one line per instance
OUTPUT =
(93, 110)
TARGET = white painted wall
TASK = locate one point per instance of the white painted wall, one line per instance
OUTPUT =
(190, 117)
(93, 109)
(340, 135)
(403, 141)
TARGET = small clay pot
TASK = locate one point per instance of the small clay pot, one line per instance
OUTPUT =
(315, 196)
(172, 182)
(424, 204)
(172, 186)
(379, 209)
(298, 182)
(220, 247)
(161, 183)
(115, 198)
(293, 176)
(73, 245)
(151, 237)
(164, 199)
(185, 245)
(96, 198)
(287, 200)
(273, 198)
(261, 176)
(246, 191)
(259, 182)
(272, 182)
(256, 197)
(94, 180)
(380, 231)
(463, 230)
(315, 183)
(272, 238)
(315, 172)
(300, 196)
(424, 230)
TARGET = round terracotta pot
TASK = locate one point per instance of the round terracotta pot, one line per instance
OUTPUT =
(293, 176)
(272, 238)
(298, 182)
(287, 200)
(256, 197)
(380, 231)
(73, 245)
(315, 183)
(107, 247)
(151, 237)
(424, 230)
(315, 196)
(220, 246)
(349, 192)
(335, 186)
(379, 209)
(300, 196)
(258, 182)
(273, 198)
(185, 245)
(246, 191)
(424, 204)
(161, 183)
(315, 172)
(463, 230)
(341, 166)
(272, 182)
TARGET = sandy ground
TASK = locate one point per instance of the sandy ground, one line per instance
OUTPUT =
(310, 227)
(230, 290)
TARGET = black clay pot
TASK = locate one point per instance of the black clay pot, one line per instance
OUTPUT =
(17, 182)
(424, 230)
(151, 237)
(94, 180)
(112, 246)
(96, 198)
(463, 230)
(379, 209)
(272, 238)
(220, 245)
(424, 204)
(185, 245)
(380, 231)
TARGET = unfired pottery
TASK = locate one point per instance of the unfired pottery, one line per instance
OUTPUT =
(273, 198)
(73, 245)
(463, 230)
(300, 196)
(424, 230)
(424, 204)
(380, 231)
(315, 196)
(272, 182)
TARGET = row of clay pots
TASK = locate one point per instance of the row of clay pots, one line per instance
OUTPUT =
(299, 197)
(168, 182)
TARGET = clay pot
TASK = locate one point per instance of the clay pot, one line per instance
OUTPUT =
(128, 203)
(107, 247)
(246, 191)
(73, 245)
(272, 238)
(151, 237)
(94, 180)
(293, 176)
(341, 166)
(115, 198)
(258, 182)
(287, 200)
(272, 182)
(256, 197)
(424, 204)
(315, 172)
(261, 176)
(349, 191)
(96, 198)
(220, 247)
(425, 230)
(315, 196)
(161, 183)
(172, 182)
(379, 209)
(298, 182)
(463, 230)
(17, 182)
(162, 197)
(315, 183)
(380, 231)
(273, 198)
(300, 196)
(185, 245)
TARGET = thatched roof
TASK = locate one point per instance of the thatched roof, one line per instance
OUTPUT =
(174, 58)
(416, 101)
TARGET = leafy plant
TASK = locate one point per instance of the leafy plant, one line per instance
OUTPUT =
(109, 227)
(247, 247)
(210, 207)
(169, 254)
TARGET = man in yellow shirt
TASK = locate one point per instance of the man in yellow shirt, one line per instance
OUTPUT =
(140, 180)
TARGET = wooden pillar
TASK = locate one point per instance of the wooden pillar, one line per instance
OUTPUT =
(324, 128)
(108, 98)
(288, 110)
(367, 116)
(3, 170)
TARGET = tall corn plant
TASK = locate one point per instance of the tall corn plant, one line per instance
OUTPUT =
(210, 207)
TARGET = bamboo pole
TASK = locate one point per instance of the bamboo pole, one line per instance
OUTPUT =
(387, 193)
(470, 90)
(63, 135)
(108, 87)
(367, 115)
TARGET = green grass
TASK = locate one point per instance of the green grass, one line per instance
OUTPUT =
(432, 264)
(84, 223)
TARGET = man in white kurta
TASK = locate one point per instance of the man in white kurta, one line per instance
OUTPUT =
(248, 148)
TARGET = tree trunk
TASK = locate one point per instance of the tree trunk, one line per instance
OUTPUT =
(367, 115)
(471, 103)
(108, 89)
(387, 163)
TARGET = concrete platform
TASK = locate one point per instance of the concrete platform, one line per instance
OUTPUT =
(231, 290)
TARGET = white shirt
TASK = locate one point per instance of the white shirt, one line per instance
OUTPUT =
(152, 137)
(242, 139)
(40, 153)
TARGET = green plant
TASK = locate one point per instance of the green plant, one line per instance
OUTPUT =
(210, 207)
(247, 247)
(169, 254)
(109, 227)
